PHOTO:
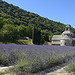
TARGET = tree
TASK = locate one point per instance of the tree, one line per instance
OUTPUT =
(42, 39)
(34, 32)
(36, 36)
(29, 31)
(50, 38)
(10, 32)
(22, 30)
(45, 33)
(1, 22)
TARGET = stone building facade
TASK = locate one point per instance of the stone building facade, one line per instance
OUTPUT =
(65, 39)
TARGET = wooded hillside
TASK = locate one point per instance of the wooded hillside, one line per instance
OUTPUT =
(16, 22)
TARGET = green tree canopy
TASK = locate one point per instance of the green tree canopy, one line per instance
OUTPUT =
(10, 32)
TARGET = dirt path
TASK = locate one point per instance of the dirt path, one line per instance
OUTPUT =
(62, 71)
(54, 71)
(4, 69)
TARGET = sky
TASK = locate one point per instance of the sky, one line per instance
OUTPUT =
(57, 10)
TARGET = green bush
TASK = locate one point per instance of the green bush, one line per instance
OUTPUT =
(3, 60)
(22, 67)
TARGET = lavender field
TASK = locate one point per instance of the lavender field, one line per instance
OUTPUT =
(34, 58)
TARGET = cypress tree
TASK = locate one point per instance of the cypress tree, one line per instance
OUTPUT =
(36, 36)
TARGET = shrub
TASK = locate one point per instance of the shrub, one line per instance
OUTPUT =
(71, 67)
(22, 67)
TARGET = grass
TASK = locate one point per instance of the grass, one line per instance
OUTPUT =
(6, 72)
(6, 43)
(2, 73)
(23, 42)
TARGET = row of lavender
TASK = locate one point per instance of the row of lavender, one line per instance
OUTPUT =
(33, 58)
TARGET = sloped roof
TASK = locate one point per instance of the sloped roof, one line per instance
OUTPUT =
(73, 38)
(66, 37)
(56, 37)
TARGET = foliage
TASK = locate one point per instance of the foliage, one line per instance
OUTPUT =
(36, 36)
(72, 66)
(22, 68)
(1, 22)
(24, 21)
(21, 30)
(3, 73)
(10, 32)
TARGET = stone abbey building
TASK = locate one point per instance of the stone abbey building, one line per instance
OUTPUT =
(65, 39)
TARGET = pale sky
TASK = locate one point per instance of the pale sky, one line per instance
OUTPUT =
(57, 10)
